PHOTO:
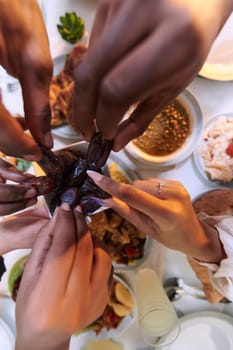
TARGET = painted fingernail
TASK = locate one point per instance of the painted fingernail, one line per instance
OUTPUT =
(100, 202)
(65, 206)
(30, 193)
(88, 219)
(94, 175)
(78, 209)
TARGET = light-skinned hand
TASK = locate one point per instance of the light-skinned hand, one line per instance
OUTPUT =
(165, 213)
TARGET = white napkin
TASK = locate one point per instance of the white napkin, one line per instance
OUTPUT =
(53, 9)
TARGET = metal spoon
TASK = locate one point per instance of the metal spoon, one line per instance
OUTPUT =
(176, 287)
(176, 293)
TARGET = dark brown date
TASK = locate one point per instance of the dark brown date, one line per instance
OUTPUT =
(67, 179)
(98, 151)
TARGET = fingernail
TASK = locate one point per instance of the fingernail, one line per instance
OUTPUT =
(94, 175)
(30, 193)
(48, 140)
(78, 209)
(100, 202)
(65, 206)
(88, 219)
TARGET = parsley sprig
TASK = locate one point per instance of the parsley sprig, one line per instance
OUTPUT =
(71, 28)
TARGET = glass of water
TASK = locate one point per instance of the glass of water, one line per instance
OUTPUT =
(158, 323)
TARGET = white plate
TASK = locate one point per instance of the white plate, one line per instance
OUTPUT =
(204, 331)
(53, 9)
(219, 63)
(7, 340)
(198, 159)
(80, 340)
(66, 132)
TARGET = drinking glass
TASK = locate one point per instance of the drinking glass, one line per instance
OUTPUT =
(158, 322)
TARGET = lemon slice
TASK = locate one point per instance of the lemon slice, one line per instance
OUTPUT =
(123, 295)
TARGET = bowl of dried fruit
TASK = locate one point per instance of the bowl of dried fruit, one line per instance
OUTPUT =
(127, 245)
(172, 135)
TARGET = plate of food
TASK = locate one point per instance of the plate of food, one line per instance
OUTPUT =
(215, 202)
(118, 315)
(19, 163)
(14, 262)
(61, 90)
(214, 155)
(127, 245)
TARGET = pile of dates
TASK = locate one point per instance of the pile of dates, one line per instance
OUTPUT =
(66, 177)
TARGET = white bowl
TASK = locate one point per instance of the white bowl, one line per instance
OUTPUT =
(187, 100)
(220, 161)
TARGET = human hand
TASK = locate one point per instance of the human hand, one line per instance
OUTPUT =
(64, 286)
(21, 230)
(25, 55)
(14, 197)
(163, 210)
(144, 53)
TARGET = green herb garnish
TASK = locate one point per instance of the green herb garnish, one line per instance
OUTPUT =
(22, 164)
(71, 28)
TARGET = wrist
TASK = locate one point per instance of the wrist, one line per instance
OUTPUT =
(210, 248)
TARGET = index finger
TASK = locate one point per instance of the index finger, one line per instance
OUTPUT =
(35, 88)
(134, 197)
(53, 251)
(22, 144)
(83, 261)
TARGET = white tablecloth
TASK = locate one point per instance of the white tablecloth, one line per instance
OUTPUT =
(214, 98)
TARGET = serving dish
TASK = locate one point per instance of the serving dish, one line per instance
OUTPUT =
(128, 247)
(217, 201)
(61, 92)
(212, 156)
(192, 109)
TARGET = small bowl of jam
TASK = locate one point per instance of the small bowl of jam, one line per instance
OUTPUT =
(172, 135)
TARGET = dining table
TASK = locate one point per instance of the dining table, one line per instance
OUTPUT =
(215, 97)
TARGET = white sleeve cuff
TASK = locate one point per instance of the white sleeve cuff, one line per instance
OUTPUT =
(222, 275)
